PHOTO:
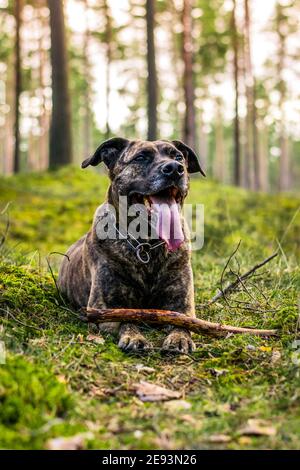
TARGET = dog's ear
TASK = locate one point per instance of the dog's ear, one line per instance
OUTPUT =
(108, 152)
(193, 164)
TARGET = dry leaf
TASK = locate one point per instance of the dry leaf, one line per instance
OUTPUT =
(38, 341)
(92, 426)
(257, 427)
(142, 368)
(68, 443)
(177, 405)
(97, 391)
(80, 338)
(219, 438)
(189, 419)
(114, 425)
(98, 339)
(147, 391)
(163, 441)
(276, 356)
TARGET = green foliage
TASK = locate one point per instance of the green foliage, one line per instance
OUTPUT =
(215, 37)
(57, 382)
(30, 397)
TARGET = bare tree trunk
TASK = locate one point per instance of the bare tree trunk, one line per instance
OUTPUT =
(284, 170)
(284, 165)
(219, 167)
(203, 144)
(263, 155)
(247, 145)
(43, 119)
(87, 125)
(8, 137)
(176, 70)
(152, 85)
(188, 79)
(60, 131)
(237, 152)
(108, 41)
(18, 84)
(252, 140)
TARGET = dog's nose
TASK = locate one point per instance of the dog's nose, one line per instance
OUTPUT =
(174, 169)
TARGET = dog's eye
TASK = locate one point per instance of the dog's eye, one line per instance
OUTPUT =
(141, 157)
(179, 158)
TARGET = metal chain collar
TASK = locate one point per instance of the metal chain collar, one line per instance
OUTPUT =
(142, 249)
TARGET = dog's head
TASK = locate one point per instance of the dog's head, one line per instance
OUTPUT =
(151, 173)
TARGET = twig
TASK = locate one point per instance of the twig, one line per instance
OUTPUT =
(224, 291)
(233, 285)
(52, 274)
(19, 321)
(168, 317)
(238, 278)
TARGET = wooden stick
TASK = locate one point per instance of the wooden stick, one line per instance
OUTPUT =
(234, 284)
(168, 317)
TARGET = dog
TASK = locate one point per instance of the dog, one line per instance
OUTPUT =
(126, 272)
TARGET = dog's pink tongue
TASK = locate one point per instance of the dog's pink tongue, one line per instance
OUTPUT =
(168, 224)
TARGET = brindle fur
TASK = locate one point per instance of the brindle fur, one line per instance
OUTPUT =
(107, 274)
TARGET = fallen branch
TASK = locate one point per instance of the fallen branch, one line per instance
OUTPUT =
(168, 317)
(233, 285)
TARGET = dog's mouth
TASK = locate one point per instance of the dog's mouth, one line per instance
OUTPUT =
(165, 206)
(147, 199)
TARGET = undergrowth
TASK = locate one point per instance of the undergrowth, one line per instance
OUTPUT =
(58, 380)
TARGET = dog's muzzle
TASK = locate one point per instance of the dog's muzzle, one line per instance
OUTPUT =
(174, 170)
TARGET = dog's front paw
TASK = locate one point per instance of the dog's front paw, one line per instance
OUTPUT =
(178, 341)
(133, 342)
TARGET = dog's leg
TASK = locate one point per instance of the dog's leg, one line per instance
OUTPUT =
(106, 292)
(96, 300)
(131, 338)
(178, 295)
(178, 340)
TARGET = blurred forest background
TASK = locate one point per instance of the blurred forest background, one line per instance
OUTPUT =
(222, 75)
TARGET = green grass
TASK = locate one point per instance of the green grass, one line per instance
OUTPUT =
(56, 382)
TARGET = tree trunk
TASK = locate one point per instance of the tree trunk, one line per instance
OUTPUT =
(108, 43)
(189, 134)
(176, 70)
(284, 164)
(219, 166)
(87, 124)
(203, 140)
(9, 145)
(44, 117)
(152, 86)
(237, 153)
(252, 156)
(60, 130)
(18, 84)
(264, 157)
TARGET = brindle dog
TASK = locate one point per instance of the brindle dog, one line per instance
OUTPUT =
(105, 273)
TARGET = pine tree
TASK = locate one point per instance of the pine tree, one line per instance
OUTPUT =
(152, 85)
(60, 130)
(189, 134)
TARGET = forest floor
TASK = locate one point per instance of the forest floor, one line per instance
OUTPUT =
(61, 380)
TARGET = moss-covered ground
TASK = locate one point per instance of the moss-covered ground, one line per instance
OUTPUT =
(59, 381)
